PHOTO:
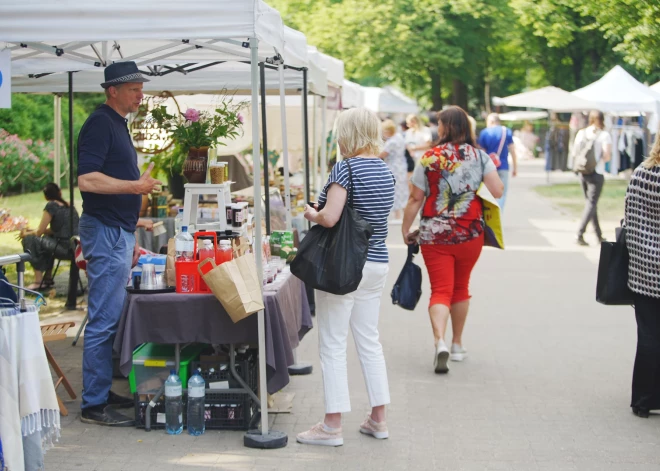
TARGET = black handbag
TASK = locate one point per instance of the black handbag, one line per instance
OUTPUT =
(332, 260)
(612, 286)
(408, 287)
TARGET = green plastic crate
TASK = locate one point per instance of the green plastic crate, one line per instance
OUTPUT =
(152, 363)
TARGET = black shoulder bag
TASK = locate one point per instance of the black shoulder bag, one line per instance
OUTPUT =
(332, 260)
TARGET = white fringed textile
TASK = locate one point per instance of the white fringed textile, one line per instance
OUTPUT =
(28, 404)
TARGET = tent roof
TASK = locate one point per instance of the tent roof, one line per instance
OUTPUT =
(388, 100)
(548, 98)
(151, 32)
(618, 91)
(523, 115)
(656, 87)
(352, 95)
(233, 76)
(333, 67)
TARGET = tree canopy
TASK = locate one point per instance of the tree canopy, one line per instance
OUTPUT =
(464, 51)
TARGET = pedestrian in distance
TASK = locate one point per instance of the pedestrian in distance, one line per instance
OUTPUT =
(593, 139)
(451, 232)
(642, 222)
(497, 141)
(359, 138)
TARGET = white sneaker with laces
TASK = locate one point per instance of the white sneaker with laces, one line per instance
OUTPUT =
(441, 357)
(458, 353)
(320, 434)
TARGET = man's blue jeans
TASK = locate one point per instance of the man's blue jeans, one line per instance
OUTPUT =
(504, 176)
(109, 253)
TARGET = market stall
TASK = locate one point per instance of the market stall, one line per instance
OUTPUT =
(45, 38)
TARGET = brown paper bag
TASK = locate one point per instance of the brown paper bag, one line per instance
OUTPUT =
(170, 271)
(235, 284)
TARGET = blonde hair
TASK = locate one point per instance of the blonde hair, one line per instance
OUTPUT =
(358, 132)
(414, 120)
(389, 126)
(654, 158)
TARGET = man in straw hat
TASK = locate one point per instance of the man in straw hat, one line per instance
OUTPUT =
(111, 189)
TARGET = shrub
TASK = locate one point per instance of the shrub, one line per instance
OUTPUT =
(25, 165)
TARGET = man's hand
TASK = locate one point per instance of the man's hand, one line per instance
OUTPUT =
(136, 253)
(148, 224)
(514, 173)
(146, 184)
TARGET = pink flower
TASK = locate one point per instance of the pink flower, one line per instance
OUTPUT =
(191, 115)
(240, 118)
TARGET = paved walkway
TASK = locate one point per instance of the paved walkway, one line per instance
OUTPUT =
(546, 386)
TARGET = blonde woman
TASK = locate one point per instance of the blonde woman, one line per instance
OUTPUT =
(359, 137)
(394, 155)
(418, 137)
(643, 241)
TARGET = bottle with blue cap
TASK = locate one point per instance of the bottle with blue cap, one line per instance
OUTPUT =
(173, 404)
(196, 399)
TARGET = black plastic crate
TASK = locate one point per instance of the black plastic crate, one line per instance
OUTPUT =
(246, 366)
(141, 408)
(223, 411)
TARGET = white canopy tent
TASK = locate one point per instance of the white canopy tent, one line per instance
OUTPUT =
(352, 95)
(95, 33)
(388, 100)
(618, 92)
(656, 87)
(547, 98)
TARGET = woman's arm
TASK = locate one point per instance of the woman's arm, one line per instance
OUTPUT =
(331, 212)
(494, 184)
(415, 202)
(383, 155)
(43, 225)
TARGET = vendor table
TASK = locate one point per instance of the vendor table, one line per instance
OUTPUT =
(148, 241)
(175, 318)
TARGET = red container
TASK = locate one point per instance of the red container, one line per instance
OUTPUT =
(190, 268)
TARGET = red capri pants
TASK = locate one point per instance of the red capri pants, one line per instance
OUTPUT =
(449, 268)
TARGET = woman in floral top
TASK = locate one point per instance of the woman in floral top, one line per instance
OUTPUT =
(451, 232)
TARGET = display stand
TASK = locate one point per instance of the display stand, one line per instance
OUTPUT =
(191, 202)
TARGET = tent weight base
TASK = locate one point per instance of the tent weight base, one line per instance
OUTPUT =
(272, 440)
(300, 369)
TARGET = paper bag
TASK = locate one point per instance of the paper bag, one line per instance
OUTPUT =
(494, 235)
(170, 271)
(235, 284)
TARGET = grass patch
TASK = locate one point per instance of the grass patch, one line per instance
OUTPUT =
(30, 206)
(569, 197)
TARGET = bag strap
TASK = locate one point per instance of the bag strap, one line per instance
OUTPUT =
(501, 148)
(351, 190)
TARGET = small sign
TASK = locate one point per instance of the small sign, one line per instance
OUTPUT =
(5, 78)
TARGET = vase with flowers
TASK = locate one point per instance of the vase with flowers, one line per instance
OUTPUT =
(194, 132)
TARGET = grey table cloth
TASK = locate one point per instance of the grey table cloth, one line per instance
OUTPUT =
(148, 241)
(181, 318)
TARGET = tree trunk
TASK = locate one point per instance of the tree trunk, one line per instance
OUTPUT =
(460, 94)
(436, 91)
(487, 96)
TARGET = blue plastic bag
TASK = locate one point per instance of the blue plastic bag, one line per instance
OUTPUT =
(408, 287)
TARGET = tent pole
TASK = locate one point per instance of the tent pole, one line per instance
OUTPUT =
(263, 439)
(71, 299)
(57, 139)
(324, 140)
(305, 134)
(264, 140)
(285, 151)
(315, 154)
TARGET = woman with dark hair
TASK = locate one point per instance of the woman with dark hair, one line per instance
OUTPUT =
(46, 240)
(451, 232)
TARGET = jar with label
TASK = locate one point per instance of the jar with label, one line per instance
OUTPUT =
(237, 215)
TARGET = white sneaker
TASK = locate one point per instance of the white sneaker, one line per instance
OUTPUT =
(321, 435)
(441, 357)
(458, 353)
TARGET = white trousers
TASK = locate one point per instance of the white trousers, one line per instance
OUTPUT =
(360, 311)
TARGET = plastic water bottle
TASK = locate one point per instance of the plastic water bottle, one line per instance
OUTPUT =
(178, 221)
(184, 245)
(173, 404)
(196, 398)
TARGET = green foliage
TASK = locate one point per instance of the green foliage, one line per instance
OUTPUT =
(194, 129)
(169, 162)
(436, 50)
(25, 165)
